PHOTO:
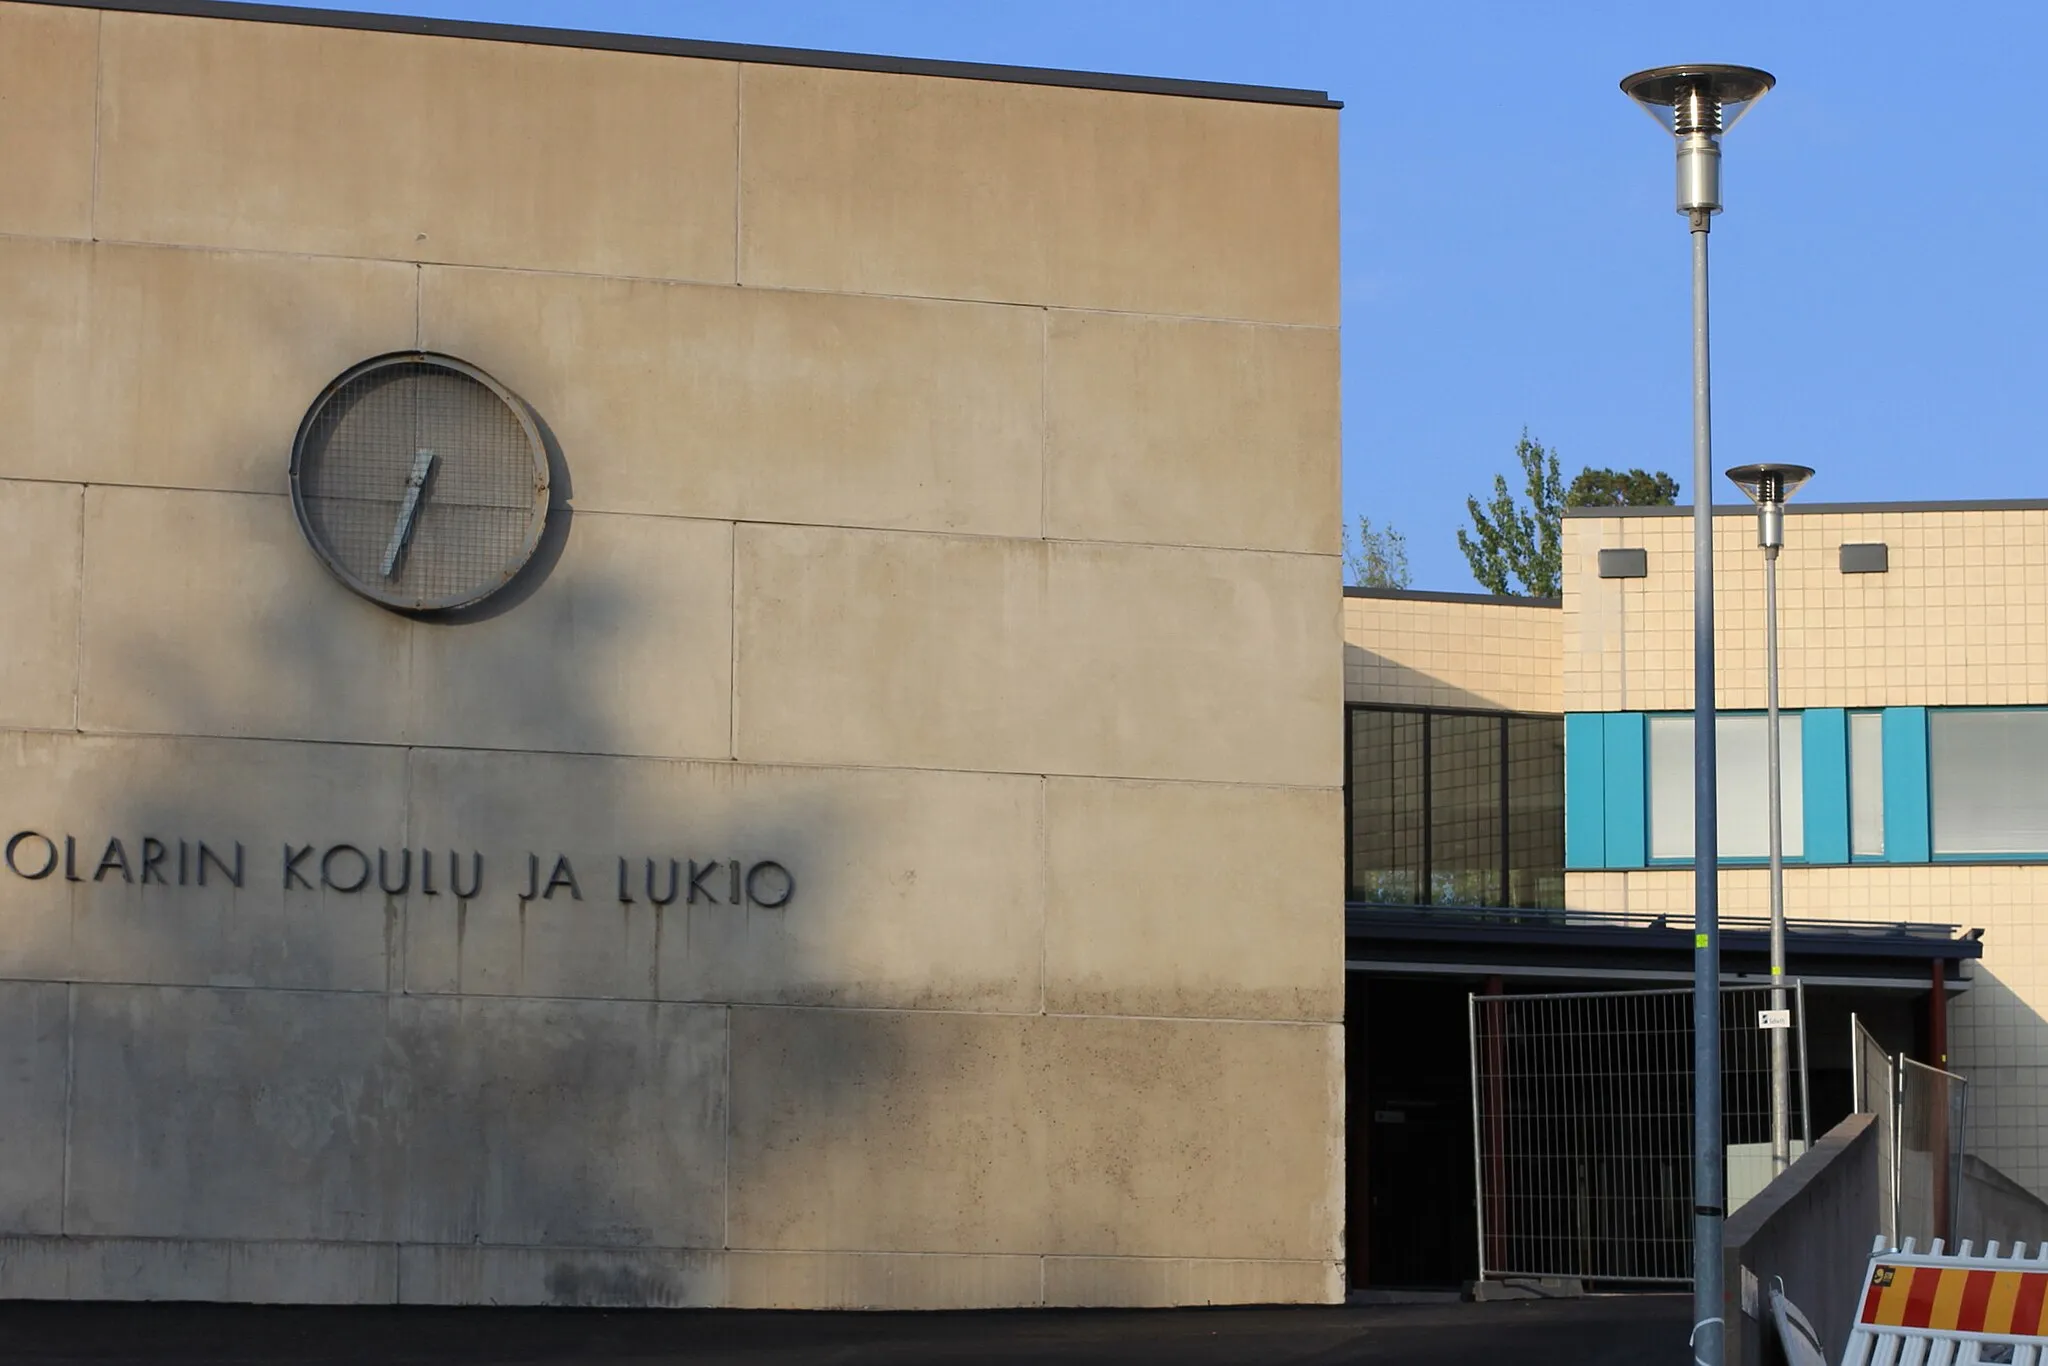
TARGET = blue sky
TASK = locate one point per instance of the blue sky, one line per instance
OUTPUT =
(1511, 256)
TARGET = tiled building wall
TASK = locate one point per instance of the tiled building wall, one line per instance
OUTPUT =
(1960, 619)
(1426, 652)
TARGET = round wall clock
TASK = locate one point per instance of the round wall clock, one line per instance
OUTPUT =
(420, 481)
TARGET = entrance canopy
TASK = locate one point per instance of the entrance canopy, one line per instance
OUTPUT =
(1594, 946)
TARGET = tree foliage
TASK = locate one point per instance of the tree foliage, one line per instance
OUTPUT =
(1514, 548)
(1517, 547)
(1379, 559)
(1621, 489)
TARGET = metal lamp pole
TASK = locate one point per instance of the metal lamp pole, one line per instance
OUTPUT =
(1697, 104)
(1768, 486)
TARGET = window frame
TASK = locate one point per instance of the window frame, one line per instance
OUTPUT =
(1883, 855)
(1934, 855)
(1788, 762)
(1501, 718)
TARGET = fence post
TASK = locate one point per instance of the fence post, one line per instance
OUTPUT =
(1496, 1122)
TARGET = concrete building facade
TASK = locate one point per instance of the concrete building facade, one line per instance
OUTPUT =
(943, 512)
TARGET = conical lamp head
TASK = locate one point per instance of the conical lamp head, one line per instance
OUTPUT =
(1770, 484)
(1701, 98)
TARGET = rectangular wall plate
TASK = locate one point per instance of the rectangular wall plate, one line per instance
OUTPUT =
(1624, 564)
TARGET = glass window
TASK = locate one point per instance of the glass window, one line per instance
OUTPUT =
(1535, 811)
(1456, 808)
(1986, 773)
(1465, 797)
(1386, 806)
(1866, 784)
(1743, 794)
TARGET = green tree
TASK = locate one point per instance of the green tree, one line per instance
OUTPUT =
(1513, 548)
(1379, 560)
(1618, 489)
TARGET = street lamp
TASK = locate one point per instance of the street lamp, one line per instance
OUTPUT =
(1697, 104)
(1768, 486)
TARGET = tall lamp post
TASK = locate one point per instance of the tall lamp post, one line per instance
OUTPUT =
(1769, 486)
(1697, 104)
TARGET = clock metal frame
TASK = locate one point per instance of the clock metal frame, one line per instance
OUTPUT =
(381, 593)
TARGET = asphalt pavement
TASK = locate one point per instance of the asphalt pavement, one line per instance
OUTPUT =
(1642, 1330)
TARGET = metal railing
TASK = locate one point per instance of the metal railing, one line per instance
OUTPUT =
(1582, 1127)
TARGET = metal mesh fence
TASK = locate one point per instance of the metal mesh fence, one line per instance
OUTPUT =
(1874, 1083)
(1932, 1106)
(1582, 1106)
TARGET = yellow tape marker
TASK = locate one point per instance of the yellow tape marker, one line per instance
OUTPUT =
(1699, 941)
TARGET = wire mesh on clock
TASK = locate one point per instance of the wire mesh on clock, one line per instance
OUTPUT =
(476, 457)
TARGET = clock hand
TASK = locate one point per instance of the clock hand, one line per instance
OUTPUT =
(408, 511)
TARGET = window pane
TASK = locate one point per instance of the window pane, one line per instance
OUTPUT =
(1386, 806)
(1986, 769)
(1866, 784)
(1743, 793)
(1535, 811)
(1464, 819)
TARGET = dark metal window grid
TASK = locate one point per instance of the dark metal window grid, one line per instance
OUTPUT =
(1454, 807)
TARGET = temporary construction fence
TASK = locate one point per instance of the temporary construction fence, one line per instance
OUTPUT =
(1952, 1310)
(1874, 1086)
(1582, 1126)
(1923, 1118)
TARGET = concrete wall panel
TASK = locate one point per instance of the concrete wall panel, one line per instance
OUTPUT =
(766, 405)
(35, 1041)
(185, 369)
(143, 926)
(41, 538)
(886, 184)
(234, 1114)
(188, 369)
(48, 80)
(1191, 433)
(197, 1269)
(562, 1123)
(874, 1280)
(1194, 899)
(912, 888)
(1175, 1138)
(886, 1132)
(265, 136)
(1163, 1282)
(624, 646)
(208, 614)
(590, 1278)
(1021, 656)
(990, 1134)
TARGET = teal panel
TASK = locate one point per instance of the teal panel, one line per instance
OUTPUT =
(1906, 831)
(1585, 781)
(1825, 738)
(1628, 824)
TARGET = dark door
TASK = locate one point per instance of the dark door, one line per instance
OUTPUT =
(1416, 1109)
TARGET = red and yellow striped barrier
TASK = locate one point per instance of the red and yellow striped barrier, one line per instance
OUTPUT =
(1955, 1299)
(1947, 1310)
